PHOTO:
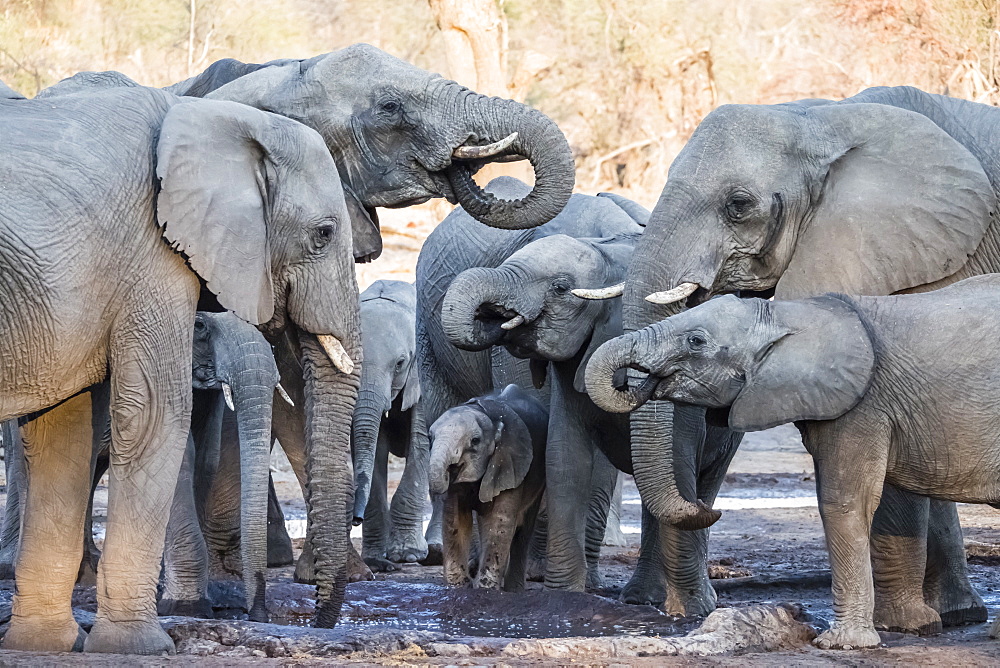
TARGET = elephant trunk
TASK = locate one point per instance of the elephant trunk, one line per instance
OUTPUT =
(538, 139)
(253, 394)
(476, 307)
(606, 365)
(442, 458)
(330, 396)
(372, 403)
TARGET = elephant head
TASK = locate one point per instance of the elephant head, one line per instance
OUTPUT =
(530, 305)
(482, 441)
(233, 357)
(254, 203)
(401, 135)
(389, 378)
(795, 200)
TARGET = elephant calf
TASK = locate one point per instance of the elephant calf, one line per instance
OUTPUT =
(898, 390)
(488, 456)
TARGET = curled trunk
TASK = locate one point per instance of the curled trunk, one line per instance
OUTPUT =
(372, 403)
(329, 403)
(539, 140)
(461, 312)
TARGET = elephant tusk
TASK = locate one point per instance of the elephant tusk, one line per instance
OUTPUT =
(600, 293)
(480, 152)
(284, 395)
(673, 295)
(516, 321)
(227, 392)
(335, 351)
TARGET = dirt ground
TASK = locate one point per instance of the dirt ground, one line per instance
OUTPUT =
(767, 548)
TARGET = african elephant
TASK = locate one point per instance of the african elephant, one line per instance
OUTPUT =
(229, 178)
(387, 419)
(893, 389)
(801, 199)
(222, 490)
(530, 305)
(450, 376)
(488, 458)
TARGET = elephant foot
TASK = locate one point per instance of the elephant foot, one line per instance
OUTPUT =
(407, 552)
(380, 565)
(357, 569)
(87, 575)
(973, 614)
(259, 614)
(698, 601)
(6, 571)
(644, 589)
(907, 617)
(305, 572)
(435, 555)
(959, 606)
(594, 579)
(135, 637)
(279, 553)
(30, 634)
(200, 608)
(995, 628)
(847, 637)
(534, 570)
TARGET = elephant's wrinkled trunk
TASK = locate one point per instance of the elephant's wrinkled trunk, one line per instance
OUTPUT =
(372, 403)
(442, 457)
(606, 364)
(539, 140)
(253, 392)
(471, 315)
(329, 403)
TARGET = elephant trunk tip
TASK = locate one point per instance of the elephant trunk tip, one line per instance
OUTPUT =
(697, 515)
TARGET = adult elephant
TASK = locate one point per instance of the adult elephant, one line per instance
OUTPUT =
(450, 376)
(893, 190)
(248, 213)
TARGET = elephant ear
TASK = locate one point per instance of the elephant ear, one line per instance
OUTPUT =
(903, 204)
(212, 161)
(364, 228)
(411, 388)
(511, 457)
(817, 366)
(635, 211)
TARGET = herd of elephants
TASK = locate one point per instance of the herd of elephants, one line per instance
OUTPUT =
(178, 292)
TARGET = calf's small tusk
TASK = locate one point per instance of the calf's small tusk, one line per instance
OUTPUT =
(284, 395)
(600, 293)
(673, 295)
(480, 152)
(227, 392)
(516, 321)
(335, 351)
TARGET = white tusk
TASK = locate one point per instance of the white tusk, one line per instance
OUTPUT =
(336, 352)
(284, 395)
(674, 295)
(516, 321)
(600, 293)
(227, 392)
(480, 152)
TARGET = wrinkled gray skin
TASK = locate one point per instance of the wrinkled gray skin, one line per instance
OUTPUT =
(562, 330)
(488, 458)
(111, 148)
(387, 419)
(222, 487)
(450, 376)
(897, 389)
(889, 191)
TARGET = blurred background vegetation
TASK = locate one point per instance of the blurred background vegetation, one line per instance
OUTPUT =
(627, 80)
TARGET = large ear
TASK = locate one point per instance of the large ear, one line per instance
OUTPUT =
(903, 204)
(635, 211)
(511, 457)
(214, 178)
(818, 366)
(411, 388)
(364, 228)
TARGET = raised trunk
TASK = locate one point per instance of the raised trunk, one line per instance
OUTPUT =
(372, 403)
(329, 402)
(539, 140)
(462, 318)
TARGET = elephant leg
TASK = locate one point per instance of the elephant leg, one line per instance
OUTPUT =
(100, 460)
(288, 426)
(17, 489)
(535, 568)
(514, 578)
(648, 584)
(150, 421)
(457, 541)
(279, 544)
(434, 533)
(58, 449)
(406, 528)
(613, 535)
(946, 583)
(374, 532)
(496, 534)
(185, 555)
(602, 487)
(898, 546)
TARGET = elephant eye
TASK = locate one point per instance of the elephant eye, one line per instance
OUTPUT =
(322, 235)
(399, 363)
(560, 287)
(696, 341)
(739, 205)
(389, 106)
(476, 440)
(199, 325)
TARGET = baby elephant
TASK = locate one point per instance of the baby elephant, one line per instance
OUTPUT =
(488, 455)
(899, 389)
